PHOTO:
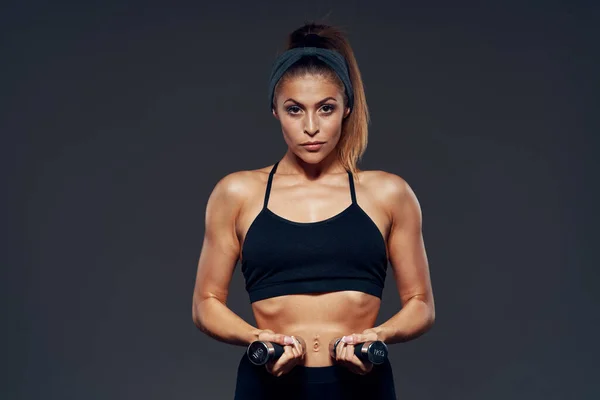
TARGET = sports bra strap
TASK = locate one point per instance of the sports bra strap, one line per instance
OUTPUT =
(269, 183)
(352, 190)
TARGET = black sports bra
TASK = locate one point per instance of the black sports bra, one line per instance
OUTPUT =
(343, 252)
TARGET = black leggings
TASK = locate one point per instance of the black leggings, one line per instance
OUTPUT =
(315, 383)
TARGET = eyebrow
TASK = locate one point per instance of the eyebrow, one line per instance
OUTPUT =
(320, 102)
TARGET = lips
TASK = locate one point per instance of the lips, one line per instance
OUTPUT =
(314, 146)
(311, 143)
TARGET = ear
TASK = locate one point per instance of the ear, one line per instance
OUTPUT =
(275, 113)
(346, 112)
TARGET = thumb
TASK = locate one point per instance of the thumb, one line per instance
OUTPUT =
(260, 334)
(279, 339)
(354, 338)
(350, 339)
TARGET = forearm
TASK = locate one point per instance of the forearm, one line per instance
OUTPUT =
(215, 319)
(414, 319)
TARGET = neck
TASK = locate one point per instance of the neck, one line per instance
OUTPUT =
(291, 164)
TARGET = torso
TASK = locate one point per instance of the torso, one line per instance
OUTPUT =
(317, 318)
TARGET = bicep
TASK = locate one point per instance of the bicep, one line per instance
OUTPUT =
(220, 246)
(406, 246)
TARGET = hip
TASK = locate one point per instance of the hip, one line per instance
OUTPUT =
(328, 382)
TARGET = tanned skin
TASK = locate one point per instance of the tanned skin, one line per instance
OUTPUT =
(310, 186)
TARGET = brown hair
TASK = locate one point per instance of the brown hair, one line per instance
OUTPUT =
(353, 141)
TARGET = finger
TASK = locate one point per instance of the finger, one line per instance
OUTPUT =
(342, 352)
(285, 357)
(282, 365)
(349, 353)
(298, 346)
(267, 336)
(263, 333)
(359, 366)
(354, 338)
(301, 342)
(277, 338)
(274, 367)
(344, 356)
(269, 367)
(351, 358)
(339, 350)
(294, 352)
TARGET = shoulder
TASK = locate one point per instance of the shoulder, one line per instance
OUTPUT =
(235, 187)
(385, 183)
(391, 191)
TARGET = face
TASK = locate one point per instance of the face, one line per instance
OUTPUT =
(310, 109)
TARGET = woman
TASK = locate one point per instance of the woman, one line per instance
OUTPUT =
(314, 235)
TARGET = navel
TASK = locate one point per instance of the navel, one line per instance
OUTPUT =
(316, 344)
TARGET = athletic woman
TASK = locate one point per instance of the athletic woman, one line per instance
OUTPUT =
(314, 235)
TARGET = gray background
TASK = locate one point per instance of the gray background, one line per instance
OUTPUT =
(117, 119)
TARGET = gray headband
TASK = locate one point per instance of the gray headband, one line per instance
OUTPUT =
(331, 57)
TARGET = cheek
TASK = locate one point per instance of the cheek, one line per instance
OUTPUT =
(291, 127)
(332, 124)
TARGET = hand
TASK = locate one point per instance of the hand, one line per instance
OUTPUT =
(344, 351)
(293, 351)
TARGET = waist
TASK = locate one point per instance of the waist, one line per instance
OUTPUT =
(318, 319)
(318, 342)
(318, 338)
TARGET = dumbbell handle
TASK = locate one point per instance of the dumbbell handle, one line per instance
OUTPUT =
(374, 351)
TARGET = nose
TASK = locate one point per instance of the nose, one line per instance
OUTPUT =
(311, 124)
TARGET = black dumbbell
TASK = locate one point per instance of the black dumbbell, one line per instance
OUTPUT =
(261, 352)
(374, 351)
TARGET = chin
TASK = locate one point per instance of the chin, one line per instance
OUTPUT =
(312, 158)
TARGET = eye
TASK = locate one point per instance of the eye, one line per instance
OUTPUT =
(328, 108)
(292, 109)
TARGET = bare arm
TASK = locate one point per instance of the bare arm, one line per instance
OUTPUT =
(411, 270)
(219, 255)
(409, 262)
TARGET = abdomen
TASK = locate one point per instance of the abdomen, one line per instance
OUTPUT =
(318, 318)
